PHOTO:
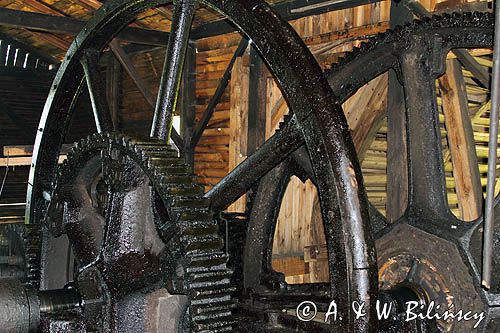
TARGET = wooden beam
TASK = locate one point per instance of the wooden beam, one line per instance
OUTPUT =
(95, 5)
(90, 4)
(257, 97)
(22, 161)
(129, 67)
(41, 7)
(49, 38)
(69, 26)
(52, 39)
(27, 150)
(288, 10)
(221, 88)
(397, 163)
(479, 72)
(238, 120)
(113, 88)
(365, 110)
(357, 32)
(461, 141)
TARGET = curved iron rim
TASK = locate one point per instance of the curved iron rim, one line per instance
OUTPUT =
(302, 84)
(371, 60)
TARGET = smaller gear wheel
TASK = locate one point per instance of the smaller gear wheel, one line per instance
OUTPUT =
(142, 235)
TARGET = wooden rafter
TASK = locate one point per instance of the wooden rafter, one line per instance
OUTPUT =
(54, 40)
(69, 26)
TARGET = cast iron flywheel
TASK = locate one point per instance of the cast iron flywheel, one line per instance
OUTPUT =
(87, 206)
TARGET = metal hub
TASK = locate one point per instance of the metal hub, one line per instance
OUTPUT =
(408, 255)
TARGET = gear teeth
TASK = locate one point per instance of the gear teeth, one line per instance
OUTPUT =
(176, 169)
(191, 223)
(184, 191)
(191, 203)
(198, 228)
(202, 263)
(201, 243)
(185, 215)
(214, 326)
(218, 291)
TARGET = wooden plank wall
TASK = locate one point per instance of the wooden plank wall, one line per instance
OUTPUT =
(23, 92)
(212, 154)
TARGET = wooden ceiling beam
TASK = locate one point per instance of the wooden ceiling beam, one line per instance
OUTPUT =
(290, 10)
(69, 26)
(41, 7)
(53, 40)
(49, 38)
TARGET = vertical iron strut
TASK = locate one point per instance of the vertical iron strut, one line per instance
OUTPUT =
(492, 155)
(172, 69)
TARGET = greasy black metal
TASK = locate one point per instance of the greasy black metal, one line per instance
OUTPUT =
(257, 268)
(59, 300)
(95, 85)
(489, 213)
(427, 209)
(31, 238)
(187, 108)
(240, 180)
(432, 215)
(480, 74)
(319, 117)
(172, 69)
(148, 185)
(19, 310)
(426, 175)
(412, 257)
(215, 99)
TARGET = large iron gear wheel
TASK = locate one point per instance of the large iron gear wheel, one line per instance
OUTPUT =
(318, 120)
(428, 230)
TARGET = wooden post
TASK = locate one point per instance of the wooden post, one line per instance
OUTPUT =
(365, 112)
(461, 141)
(238, 119)
(187, 99)
(397, 181)
(113, 88)
(257, 97)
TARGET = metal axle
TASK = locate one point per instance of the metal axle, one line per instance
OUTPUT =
(21, 305)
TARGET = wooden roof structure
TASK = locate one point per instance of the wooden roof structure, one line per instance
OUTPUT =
(29, 21)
